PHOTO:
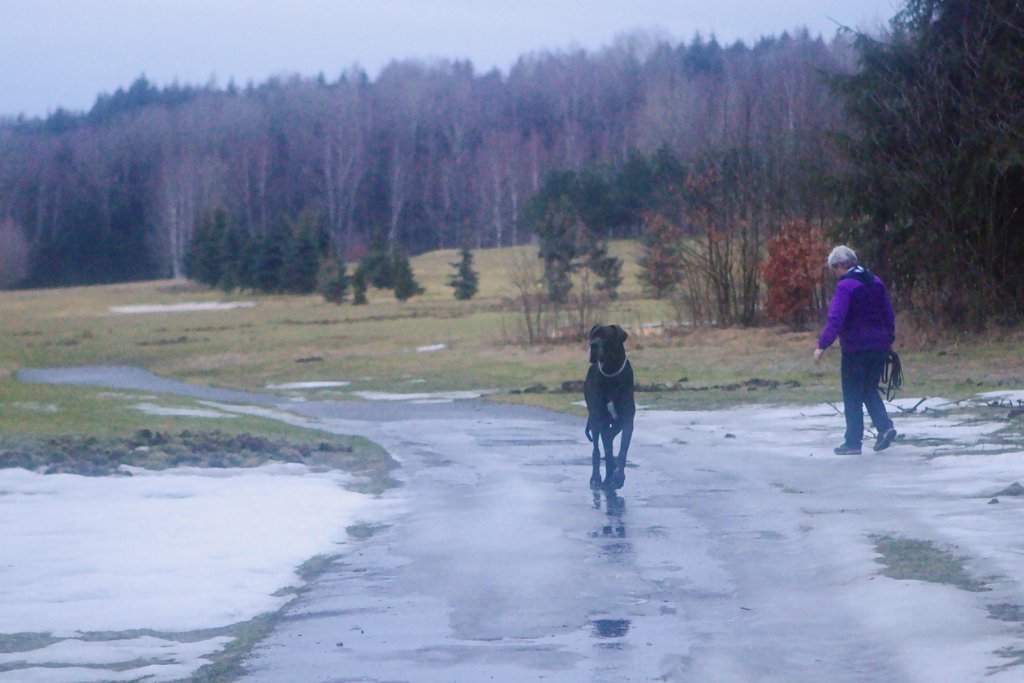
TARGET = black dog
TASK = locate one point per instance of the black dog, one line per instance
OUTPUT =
(608, 391)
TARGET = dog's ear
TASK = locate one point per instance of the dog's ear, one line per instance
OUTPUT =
(593, 330)
(620, 334)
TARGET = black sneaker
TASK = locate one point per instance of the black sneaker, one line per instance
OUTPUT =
(846, 449)
(885, 439)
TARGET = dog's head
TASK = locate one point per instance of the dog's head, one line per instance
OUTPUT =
(606, 344)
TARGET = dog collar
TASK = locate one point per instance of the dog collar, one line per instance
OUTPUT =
(614, 374)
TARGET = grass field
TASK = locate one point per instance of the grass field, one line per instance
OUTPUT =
(378, 347)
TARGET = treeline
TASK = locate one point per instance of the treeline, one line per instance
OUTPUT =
(298, 257)
(936, 180)
(925, 177)
(734, 165)
(423, 157)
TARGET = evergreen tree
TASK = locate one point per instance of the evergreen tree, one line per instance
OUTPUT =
(359, 286)
(332, 280)
(573, 234)
(406, 286)
(938, 157)
(248, 263)
(230, 259)
(204, 261)
(465, 280)
(378, 267)
(662, 258)
(302, 256)
(608, 270)
(270, 260)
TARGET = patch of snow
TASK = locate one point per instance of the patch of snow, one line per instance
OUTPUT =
(1012, 396)
(269, 413)
(182, 308)
(33, 406)
(175, 550)
(431, 348)
(151, 409)
(122, 395)
(440, 396)
(309, 385)
(78, 660)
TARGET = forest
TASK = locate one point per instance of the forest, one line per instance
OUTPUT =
(907, 144)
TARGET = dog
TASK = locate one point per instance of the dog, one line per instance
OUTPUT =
(608, 391)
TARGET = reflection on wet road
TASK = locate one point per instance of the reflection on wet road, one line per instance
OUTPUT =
(502, 564)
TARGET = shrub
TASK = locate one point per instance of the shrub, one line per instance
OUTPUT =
(794, 273)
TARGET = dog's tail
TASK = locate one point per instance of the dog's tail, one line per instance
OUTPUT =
(590, 435)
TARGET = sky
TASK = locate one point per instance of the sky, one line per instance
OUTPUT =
(63, 53)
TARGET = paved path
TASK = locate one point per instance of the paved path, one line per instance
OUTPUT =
(723, 559)
(730, 555)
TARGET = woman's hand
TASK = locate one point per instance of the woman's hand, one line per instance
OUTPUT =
(817, 355)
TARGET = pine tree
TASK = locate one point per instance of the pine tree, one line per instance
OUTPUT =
(378, 268)
(302, 256)
(270, 260)
(465, 280)
(231, 254)
(203, 263)
(249, 259)
(332, 280)
(405, 283)
(359, 287)
(662, 258)
(608, 270)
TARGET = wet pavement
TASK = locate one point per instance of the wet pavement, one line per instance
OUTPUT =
(722, 559)
(507, 567)
(504, 567)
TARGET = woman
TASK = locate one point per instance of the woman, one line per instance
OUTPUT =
(861, 316)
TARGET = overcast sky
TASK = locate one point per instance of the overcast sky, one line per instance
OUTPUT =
(62, 53)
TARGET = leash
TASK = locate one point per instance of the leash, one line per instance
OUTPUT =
(614, 374)
(892, 375)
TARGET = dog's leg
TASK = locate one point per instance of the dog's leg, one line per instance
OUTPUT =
(620, 466)
(608, 440)
(595, 457)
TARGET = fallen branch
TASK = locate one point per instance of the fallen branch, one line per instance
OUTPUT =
(914, 408)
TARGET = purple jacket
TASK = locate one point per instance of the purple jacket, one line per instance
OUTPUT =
(860, 314)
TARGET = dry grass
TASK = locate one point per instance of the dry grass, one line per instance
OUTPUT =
(289, 338)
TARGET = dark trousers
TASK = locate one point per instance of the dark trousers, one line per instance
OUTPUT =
(861, 372)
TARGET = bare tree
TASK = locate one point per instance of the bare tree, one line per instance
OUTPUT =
(346, 136)
(526, 275)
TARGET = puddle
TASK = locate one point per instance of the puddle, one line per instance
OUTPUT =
(610, 628)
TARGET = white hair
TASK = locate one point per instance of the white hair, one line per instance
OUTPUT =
(842, 256)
